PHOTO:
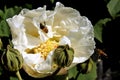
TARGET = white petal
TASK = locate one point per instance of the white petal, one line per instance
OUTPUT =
(36, 66)
(32, 59)
(82, 41)
(33, 13)
(17, 30)
(78, 29)
(64, 40)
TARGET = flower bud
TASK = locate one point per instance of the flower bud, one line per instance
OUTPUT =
(11, 59)
(63, 55)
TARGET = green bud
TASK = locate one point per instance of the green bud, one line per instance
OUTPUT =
(11, 59)
(63, 55)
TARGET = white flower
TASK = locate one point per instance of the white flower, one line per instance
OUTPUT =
(64, 24)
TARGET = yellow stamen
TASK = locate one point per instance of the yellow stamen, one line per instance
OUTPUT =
(43, 48)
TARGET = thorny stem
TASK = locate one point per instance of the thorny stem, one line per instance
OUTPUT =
(18, 75)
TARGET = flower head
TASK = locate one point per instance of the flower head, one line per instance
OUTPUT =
(37, 33)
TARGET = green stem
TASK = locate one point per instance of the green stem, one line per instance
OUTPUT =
(18, 75)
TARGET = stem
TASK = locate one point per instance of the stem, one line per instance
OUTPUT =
(18, 75)
(100, 69)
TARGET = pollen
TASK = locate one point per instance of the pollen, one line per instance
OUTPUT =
(43, 48)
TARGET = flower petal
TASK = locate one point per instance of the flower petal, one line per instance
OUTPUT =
(17, 30)
(78, 29)
(63, 22)
(82, 41)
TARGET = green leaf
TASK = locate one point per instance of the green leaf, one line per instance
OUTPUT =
(0, 44)
(4, 29)
(113, 7)
(60, 77)
(13, 78)
(1, 14)
(72, 72)
(89, 76)
(99, 27)
(16, 10)
(8, 13)
(52, 1)
(28, 6)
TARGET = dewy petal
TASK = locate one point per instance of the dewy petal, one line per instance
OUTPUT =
(65, 22)
(78, 29)
(83, 41)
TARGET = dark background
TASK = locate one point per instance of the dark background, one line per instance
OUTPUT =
(94, 10)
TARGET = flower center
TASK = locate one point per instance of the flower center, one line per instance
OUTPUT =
(43, 48)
